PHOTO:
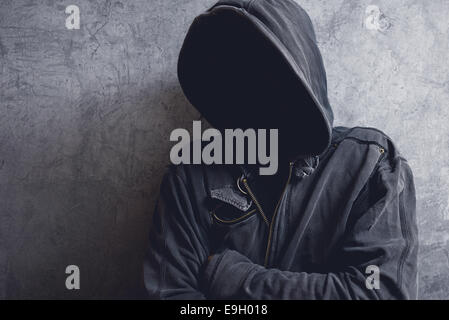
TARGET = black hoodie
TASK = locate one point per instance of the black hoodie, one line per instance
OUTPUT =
(255, 64)
(345, 224)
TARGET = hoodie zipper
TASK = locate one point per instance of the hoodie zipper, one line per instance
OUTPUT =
(270, 234)
(251, 194)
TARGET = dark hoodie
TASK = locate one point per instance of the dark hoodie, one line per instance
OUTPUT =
(255, 64)
(347, 208)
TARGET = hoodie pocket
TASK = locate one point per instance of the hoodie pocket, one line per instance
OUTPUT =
(228, 215)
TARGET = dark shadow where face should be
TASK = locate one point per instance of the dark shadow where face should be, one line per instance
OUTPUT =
(237, 79)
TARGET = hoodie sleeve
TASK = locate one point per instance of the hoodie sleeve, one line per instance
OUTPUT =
(382, 236)
(177, 249)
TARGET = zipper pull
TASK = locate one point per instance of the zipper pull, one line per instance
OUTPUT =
(239, 187)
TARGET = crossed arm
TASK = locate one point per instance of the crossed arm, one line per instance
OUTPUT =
(179, 264)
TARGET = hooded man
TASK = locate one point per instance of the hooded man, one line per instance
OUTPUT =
(338, 219)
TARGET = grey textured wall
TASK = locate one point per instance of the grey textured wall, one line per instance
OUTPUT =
(85, 117)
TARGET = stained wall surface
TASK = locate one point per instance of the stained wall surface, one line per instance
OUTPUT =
(85, 118)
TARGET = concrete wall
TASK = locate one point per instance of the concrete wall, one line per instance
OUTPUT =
(85, 117)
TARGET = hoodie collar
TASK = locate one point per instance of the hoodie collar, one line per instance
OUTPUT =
(226, 185)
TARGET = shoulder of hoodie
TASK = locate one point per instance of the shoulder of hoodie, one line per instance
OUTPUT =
(362, 136)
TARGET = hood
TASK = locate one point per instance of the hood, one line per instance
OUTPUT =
(256, 64)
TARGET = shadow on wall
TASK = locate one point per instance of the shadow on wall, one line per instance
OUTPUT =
(85, 196)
